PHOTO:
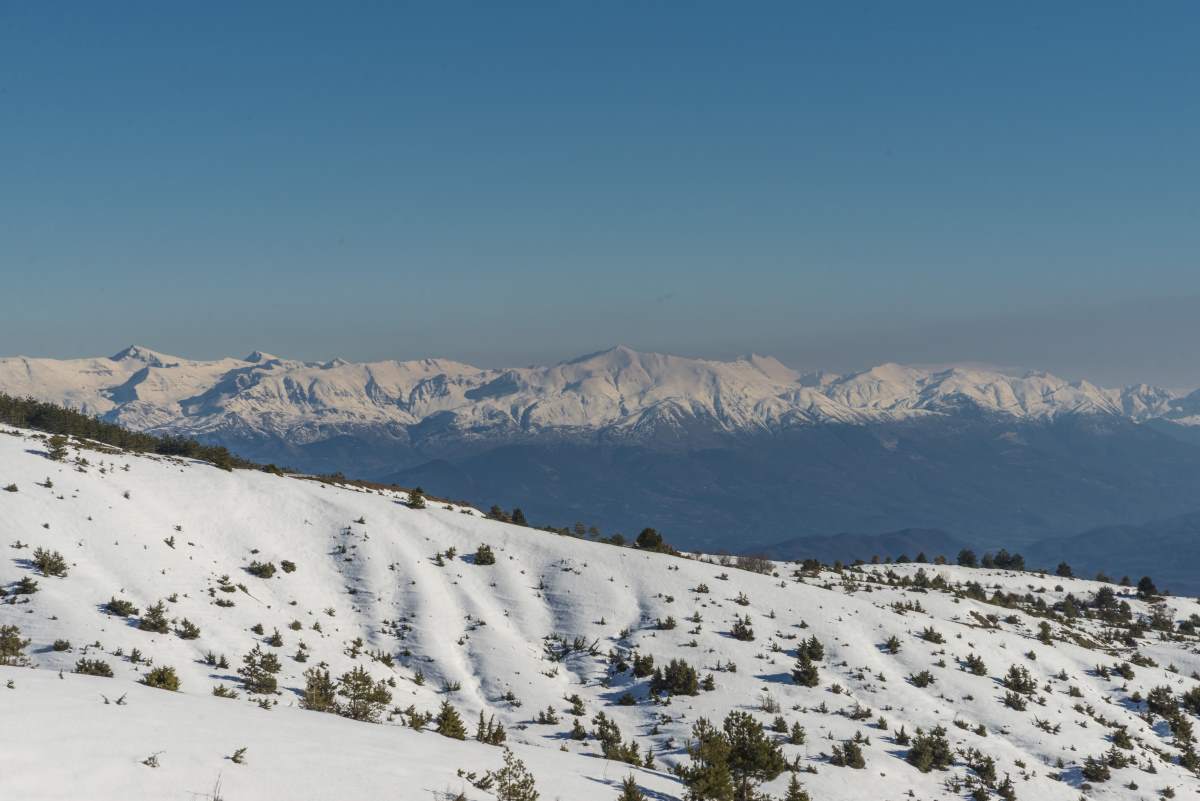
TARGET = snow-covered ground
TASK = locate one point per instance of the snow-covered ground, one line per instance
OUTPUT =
(367, 589)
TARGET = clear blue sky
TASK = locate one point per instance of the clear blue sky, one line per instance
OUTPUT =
(837, 185)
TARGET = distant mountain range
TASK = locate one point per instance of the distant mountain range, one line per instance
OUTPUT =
(734, 455)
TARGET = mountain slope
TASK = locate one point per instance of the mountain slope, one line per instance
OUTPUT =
(370, 590)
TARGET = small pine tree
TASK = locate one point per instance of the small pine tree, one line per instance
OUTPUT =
(155, 619)
(416, 498)
(630, 790)
(754, 757)
(56, 447)
(1096, 770)
(50, 563)
(258, 671)
(514, 782)
(365, 698)
(805, 672)
(490, 732)
(12, 647)
(708, 777)
(930, 751)
(187, 630)
(484, 555)
(813, 648)
(848, 755)
(794, 791)
(320, 690)
(449, 723)
(741, 629)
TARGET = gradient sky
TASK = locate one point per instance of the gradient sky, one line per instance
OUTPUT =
(841, 185)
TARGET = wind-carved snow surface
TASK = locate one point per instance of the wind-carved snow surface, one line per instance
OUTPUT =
(619, 391)
(144, 528)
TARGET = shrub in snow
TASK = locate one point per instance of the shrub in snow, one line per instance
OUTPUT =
(922, 679)
(155, 619)
(484, 555)
(163, 678)
(26, 586)
(93, 667)
(50, 563)
(677, 678)
(741, 629)
(930, 751)
(848, 755)
(263, 570)
(187, 630)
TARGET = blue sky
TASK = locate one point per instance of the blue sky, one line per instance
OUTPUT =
(835, 185)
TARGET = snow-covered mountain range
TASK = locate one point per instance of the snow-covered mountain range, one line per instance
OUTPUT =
(620, 392)
(179, 620)
(730, 455)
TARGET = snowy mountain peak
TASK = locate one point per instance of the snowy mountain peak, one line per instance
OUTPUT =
(140, 353)
(258, 357)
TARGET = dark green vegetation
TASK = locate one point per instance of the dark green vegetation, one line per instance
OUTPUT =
(52, 419)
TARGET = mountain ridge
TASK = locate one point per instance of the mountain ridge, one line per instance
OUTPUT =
(619, 391)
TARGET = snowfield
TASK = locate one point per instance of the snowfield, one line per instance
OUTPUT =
(372, 586)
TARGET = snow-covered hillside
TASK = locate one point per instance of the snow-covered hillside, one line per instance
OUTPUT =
(360, 579)
(619, 391)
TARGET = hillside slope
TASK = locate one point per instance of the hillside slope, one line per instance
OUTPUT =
(373, 587)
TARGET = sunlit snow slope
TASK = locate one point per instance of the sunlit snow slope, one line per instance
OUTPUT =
(367, 590)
